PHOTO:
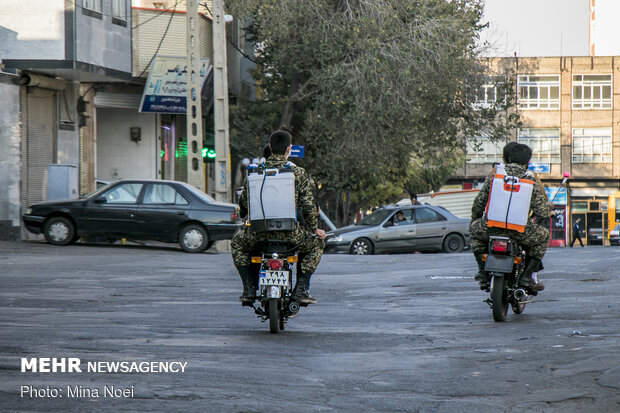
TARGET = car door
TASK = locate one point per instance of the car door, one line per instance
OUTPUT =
(430, 228)
(113, 212)
(394, 235)
(162, 210)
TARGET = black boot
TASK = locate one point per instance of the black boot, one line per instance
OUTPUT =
(526, 279)
(482, 277)
(249, 291)
(300, 294)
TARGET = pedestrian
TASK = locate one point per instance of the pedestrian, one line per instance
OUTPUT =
(576, 233)
(414, 198)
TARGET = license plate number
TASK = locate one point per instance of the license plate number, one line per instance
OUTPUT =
(269, 277)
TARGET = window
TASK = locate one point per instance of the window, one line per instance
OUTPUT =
(483, 150)
(402, 217)
(123, 194)
(591, 91)
(423, 215)
(545, 144)
(163, 194)
(119, 9)
(592, 145)
(538, 91)
(490, 94)
(94, 5)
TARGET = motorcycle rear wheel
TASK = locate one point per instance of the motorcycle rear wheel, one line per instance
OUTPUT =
(274, 316)
(499, 296)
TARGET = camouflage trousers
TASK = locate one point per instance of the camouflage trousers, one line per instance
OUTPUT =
(311, 249)
(534, 239)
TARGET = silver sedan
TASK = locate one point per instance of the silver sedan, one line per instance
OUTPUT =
(402, 229)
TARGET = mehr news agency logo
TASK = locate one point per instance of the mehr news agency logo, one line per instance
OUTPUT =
(75, 365)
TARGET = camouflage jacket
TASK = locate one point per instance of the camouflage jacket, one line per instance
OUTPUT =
(304, 200)
(538, 204)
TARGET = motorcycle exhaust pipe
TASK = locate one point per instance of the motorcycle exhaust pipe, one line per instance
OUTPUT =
(520, 294)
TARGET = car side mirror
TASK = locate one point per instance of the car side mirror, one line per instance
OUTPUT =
(100, 200)
(388, 224)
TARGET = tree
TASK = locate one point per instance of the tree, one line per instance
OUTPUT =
(374, 89)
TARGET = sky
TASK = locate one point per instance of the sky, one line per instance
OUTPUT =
(536, 27)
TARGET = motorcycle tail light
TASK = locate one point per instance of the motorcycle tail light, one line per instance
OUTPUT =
(234, 217)
(256, 260)
(291, 259)
(499, 246)
(275, 264)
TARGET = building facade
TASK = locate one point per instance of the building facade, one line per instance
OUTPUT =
(49, 52)
(72, 74)
(570, 113)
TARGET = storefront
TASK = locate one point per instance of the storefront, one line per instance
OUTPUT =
(591, 205)
(557, 223)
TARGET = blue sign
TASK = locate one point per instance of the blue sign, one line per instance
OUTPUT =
(539, 167)
(297, 151)
(556, 195)
(165, 90)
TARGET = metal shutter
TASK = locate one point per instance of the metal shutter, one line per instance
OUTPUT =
(38, 144)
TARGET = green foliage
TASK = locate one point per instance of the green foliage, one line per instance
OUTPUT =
(380, 92)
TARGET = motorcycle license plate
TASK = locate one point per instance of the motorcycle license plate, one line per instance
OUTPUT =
(269, 277)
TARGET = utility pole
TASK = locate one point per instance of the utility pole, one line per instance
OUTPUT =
(195, 175)
(220, 104)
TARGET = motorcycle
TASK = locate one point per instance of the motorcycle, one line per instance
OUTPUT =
(505, 264)
(273, 266)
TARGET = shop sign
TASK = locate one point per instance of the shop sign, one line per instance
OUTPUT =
(165, 90)
(539, 167)
(556, 195)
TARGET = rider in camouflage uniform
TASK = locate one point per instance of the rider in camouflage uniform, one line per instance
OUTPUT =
(311, 248)
(534, 239)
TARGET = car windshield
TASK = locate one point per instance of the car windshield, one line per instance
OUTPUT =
(199, 194)
(375, 218)
(95, 193)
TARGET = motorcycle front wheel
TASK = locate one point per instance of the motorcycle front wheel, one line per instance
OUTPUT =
(274, 316)
(499, 296)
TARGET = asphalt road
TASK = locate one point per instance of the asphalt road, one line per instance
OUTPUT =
(390, 333)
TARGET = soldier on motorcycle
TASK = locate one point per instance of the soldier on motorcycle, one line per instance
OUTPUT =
(311, 248)
(533, 237)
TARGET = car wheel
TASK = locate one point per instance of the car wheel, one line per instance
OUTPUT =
(453, 243)
(361, 247)
(59, 231)
(193, 238)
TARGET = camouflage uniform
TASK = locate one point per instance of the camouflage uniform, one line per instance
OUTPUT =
(534, 239)
(311, 249)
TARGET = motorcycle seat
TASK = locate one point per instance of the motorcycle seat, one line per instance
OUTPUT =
(277, 246)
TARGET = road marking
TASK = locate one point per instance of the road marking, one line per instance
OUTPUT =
(449, 277)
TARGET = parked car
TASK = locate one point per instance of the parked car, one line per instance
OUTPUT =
(402, 228)
(614, 235)
(165, 211)
(595, 236)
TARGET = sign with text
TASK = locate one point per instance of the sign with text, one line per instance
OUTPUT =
(556, 195)
(297, 151)
(540, 167)
(165, 90)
